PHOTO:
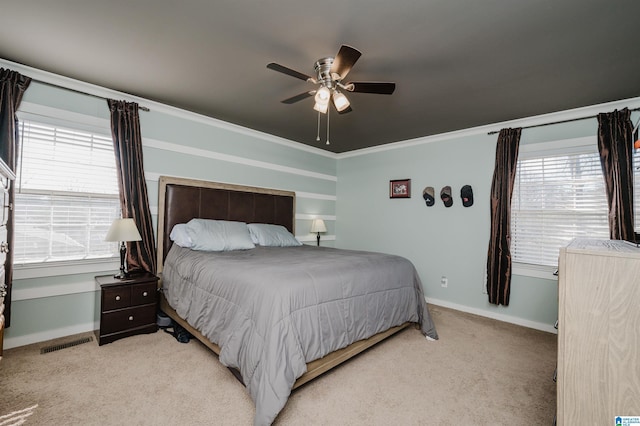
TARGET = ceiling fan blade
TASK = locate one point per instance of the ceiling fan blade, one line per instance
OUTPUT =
(289, 71)
(344, 61)
(377, 87)
(299, 97)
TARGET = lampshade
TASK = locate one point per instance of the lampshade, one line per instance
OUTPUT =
(340, 101)
(123, 230)
(322, 95)
(321, 107)
(318, 226)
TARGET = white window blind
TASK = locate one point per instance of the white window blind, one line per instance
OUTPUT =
(66, 194)
(556, 198)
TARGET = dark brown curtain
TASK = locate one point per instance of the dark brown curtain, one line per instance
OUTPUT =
(127, 145)
(12, 88)
(499, 253)
(615, 143)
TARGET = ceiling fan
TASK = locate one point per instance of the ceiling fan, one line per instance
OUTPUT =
(330, 73)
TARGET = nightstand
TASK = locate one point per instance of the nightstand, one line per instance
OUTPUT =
(127, 306)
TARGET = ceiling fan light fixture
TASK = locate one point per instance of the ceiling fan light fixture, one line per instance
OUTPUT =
(340, 101)
(323, 95)
(330, 73)
(321, 107)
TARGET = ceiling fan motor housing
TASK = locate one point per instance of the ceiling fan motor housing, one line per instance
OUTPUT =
(323, 71)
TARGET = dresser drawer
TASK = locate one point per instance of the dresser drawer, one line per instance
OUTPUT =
(124, 296)
(124, 319)
(3, 292)
(3, 284)
(145, 293)
(3, 244)
(117, 297)
(4, 205)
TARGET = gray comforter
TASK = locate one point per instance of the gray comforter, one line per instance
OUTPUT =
(272, 310)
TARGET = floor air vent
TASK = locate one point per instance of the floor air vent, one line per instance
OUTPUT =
(54, 348)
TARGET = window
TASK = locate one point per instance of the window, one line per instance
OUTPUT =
(560, 195)
(66, 194)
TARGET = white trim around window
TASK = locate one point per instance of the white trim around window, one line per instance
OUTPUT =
(82, 122)
(54, 269)
(534, 271)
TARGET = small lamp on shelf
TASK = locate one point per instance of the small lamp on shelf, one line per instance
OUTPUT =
(123, 230)
(318, 226)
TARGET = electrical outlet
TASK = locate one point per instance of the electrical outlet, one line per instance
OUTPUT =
(444, 281)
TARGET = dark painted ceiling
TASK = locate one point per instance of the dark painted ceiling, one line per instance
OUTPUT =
(457, 63)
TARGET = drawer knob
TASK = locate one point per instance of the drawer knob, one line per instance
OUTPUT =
(131, 318)
(145, 294)
(4, 247)
(117, 297)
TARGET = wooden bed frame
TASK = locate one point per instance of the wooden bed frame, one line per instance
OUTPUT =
(180, 200)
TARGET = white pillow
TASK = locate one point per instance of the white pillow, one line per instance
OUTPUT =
(219, 235)
(272, 235)
(180, 235)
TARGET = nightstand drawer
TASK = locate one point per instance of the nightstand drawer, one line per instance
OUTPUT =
(116, 297)
(124, 319)
(142, 294)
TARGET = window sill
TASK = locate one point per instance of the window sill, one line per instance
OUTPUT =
(52, 269)
(535, 271)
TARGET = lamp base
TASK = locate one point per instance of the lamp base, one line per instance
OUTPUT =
(123, 255)
(318, 238)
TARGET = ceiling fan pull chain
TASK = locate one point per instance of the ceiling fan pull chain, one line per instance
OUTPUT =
(318, 135)
(328, 113)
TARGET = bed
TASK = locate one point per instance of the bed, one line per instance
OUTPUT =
(277, 316)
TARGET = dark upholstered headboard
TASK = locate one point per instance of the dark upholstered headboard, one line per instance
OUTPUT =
(180, 200)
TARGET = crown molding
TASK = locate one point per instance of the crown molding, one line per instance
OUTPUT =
(103, 92)
(537, 120)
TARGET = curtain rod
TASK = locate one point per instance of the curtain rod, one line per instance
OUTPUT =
(143, 108)
(557, 122)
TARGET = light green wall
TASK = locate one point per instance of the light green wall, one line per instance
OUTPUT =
(442, 241)
(176, 143)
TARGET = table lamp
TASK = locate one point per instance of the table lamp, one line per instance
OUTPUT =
(318, 226)
(123, 230)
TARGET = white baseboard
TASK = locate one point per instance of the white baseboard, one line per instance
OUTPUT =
(28, 339)
(549, 328)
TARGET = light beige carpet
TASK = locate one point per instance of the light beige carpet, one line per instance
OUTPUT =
(480, 372)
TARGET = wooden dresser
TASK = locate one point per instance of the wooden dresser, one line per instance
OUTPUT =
(6, 179)
(598, 332)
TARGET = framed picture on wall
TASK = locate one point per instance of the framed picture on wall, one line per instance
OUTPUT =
(400, 188)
